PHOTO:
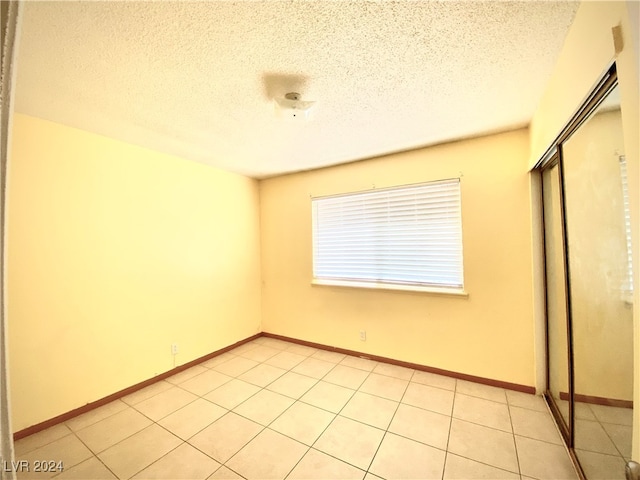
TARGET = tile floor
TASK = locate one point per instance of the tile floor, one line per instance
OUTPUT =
(603, 438)
(273, 410)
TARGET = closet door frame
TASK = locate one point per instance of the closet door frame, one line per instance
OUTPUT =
(552, 157)
(566, 429)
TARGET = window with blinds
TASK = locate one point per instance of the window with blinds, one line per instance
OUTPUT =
(410, 235)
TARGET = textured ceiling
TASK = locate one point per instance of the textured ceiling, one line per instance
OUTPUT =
(196, 79)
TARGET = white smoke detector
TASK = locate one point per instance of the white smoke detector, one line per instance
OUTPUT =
(292, 108)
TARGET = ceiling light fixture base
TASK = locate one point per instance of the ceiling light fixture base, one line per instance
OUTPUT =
(292, 108)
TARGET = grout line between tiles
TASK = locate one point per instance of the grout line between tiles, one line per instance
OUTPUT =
(453, 404)
(390, 422)
(299, 460)
(515, 444)
(607, 434)
(228, 468)
(95, 455)
(330, 423)
(243, 447)
(160, 458)
(97, 421)
(47, 443)
(171, 412)
(490, 465)
(205, 453)
(267, 427)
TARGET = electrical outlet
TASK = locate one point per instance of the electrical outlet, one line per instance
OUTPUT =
(174, 348)
(363, 336)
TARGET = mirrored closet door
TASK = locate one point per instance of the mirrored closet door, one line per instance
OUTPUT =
(556, 295)
(589, 288)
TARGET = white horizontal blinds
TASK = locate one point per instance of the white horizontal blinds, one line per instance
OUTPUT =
(406, 235)
(627, 223)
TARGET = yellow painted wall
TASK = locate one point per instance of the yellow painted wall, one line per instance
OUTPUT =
(114, 253)
(587, 53)
(489, 334)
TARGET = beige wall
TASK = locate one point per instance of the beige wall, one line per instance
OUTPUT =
(587, 53)
(114, 253)
(489, 334)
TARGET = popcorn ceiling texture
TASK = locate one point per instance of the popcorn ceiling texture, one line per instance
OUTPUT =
(196, 79)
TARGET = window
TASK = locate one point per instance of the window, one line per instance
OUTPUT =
(406, 237)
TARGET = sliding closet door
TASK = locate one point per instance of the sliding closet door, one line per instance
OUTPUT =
(598, 236)
(556, 297)
(589, 286)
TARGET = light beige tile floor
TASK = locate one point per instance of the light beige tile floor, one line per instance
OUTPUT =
(602, 438)
(274, 410)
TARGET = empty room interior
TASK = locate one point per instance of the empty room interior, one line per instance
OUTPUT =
(321, 240)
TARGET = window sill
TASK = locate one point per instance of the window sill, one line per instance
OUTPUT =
(457, 292)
